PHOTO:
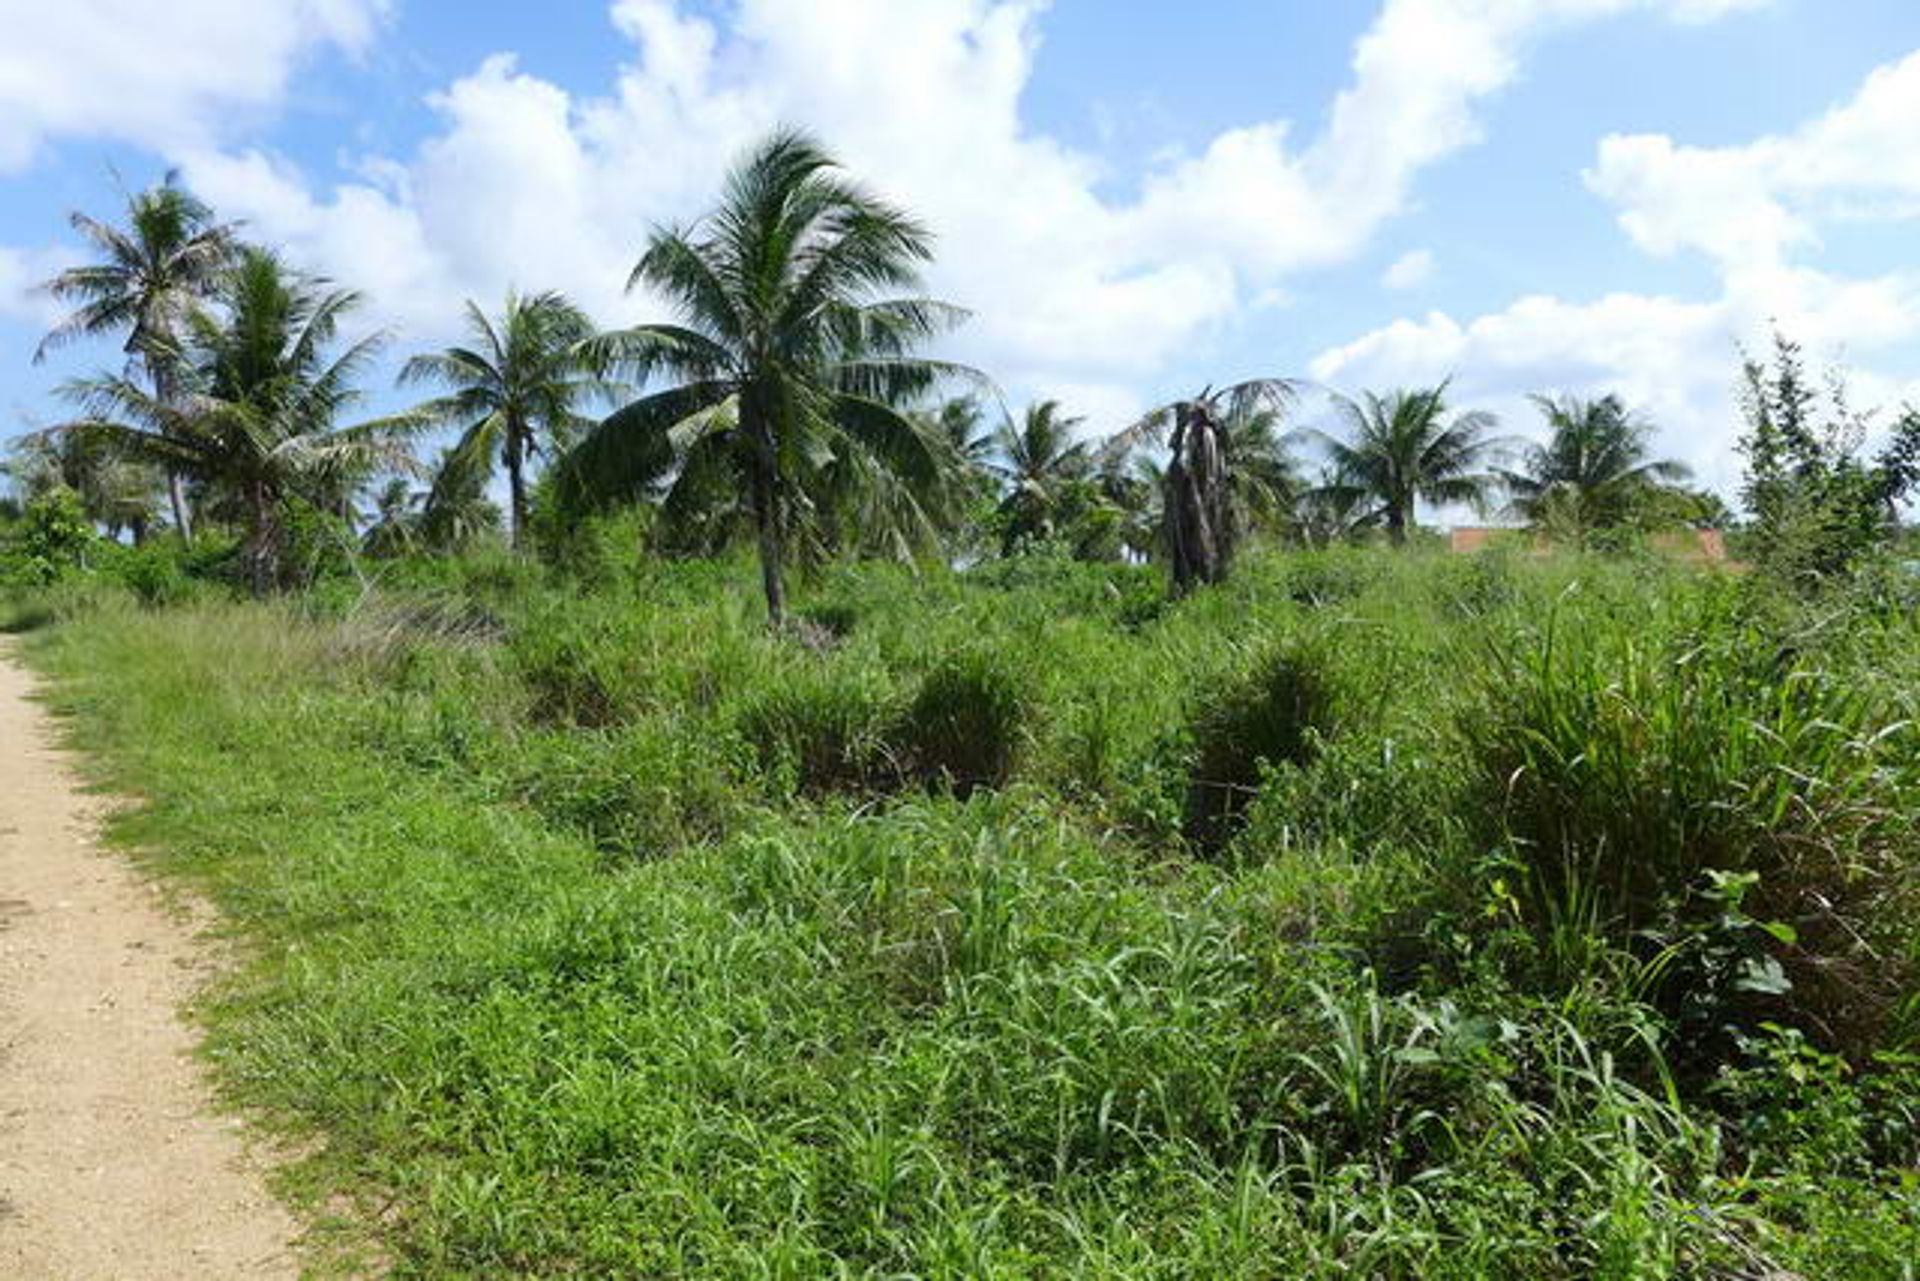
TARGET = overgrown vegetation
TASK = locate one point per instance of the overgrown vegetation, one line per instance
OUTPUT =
(1561, 922)
(1125, 858)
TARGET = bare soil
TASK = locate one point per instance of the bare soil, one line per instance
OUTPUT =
(112, 1163)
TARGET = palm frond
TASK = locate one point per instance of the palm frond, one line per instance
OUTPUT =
(632, 450)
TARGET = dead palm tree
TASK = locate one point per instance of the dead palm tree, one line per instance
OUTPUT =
(1208, 483)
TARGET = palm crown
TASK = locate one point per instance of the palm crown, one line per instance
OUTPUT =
(786, 369)
(1404, 448)
(1594, 467)
(517, 389)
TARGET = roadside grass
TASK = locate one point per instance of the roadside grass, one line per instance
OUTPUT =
(600, 933)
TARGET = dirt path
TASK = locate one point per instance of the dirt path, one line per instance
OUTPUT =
(111, 1165)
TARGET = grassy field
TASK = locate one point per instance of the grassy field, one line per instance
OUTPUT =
(1371, 915)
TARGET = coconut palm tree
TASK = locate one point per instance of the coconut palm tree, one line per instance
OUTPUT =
(1044, 471)
(455, 512)
(1263, 478)
(785, 374)
(394, 529)
(147, 280)
(972, 486)
(960, 420)
(1405, 447)
(517, 389)
(256, 420)
(1594, 471)
(1331, 509)
(117, 493)
(1226, 461)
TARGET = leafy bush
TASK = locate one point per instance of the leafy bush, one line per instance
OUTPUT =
(157, 573)
(53, 537)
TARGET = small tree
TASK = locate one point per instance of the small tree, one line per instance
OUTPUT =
(54, 535)
(1818, 507)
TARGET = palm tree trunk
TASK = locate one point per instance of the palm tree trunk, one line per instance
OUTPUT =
(1196, 503)
(163, 391)
(766, 517)
(263, 568)
(1397, 524)
(516, 486)
(177, 498)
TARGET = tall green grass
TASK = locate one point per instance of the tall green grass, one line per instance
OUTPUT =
(599, 932)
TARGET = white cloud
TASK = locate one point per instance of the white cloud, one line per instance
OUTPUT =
(1754, 205)
(1672, 359)
(1409, 271)
(1758, 212)
(526, 183)
(159, 74)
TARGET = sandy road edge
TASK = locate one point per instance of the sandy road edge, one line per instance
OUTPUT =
(112, 1162)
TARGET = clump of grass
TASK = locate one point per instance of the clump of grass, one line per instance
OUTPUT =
(1274, 715)
(1329, 578)
(1643, 779)
(821, 728)
(965, 725)
(572, 682)
(644, 790)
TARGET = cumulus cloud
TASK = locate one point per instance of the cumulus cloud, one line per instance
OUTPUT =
(527, 183)
(1753, 206)
(1758, 212)
(160, 75)
(1669, 357)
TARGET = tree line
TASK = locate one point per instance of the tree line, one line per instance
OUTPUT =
(791, 402)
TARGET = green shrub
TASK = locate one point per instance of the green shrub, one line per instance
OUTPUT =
(52, 538)
(156, 572)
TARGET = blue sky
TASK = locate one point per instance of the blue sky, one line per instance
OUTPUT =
(1135, 199)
